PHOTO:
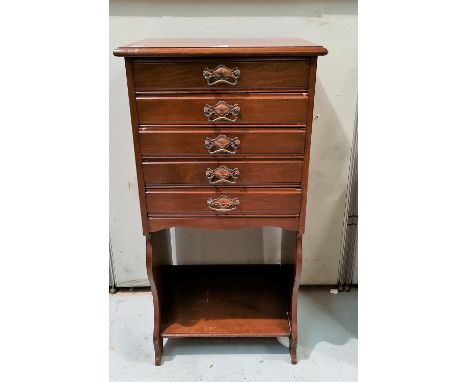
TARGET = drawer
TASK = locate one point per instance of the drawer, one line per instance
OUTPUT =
(206, 173)
(214, 142)
(215, 201)
(223, 109)
(222, 74)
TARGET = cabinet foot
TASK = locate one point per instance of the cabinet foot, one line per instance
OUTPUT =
(293, 350)
(158, 351)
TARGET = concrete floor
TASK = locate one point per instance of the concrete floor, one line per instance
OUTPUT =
(327, 348)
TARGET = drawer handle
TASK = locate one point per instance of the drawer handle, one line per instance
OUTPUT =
(222, 144)
(222, 111)
(222, 174)
(221, 75)
(223, 203)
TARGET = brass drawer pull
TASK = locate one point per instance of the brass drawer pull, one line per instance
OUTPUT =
(222, 174)
(223, 203)
(221, 75)
(222, 144)
(222, 111)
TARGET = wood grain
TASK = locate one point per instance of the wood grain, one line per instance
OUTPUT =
(310, 119)
(254, 108)
(213, 301)
(179, 141)
(157, 223)
(279, 201)
(291, 267)
(136, 143)
(158, 255)
(182, 141)
(252, 172)
(273, 75)
(184, 47)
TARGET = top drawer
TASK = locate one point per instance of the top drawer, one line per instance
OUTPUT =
(223, 74)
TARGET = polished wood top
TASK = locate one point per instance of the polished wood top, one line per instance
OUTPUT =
(224, 46)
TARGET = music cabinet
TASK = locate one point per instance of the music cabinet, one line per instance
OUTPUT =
(221, 132)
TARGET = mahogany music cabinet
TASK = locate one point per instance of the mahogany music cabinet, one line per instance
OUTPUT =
(221, 132)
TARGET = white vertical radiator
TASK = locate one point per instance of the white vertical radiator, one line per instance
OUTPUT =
(112, 285)
(349, 248)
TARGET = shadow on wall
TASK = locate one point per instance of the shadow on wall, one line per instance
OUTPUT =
(328, 171)
(228, 8)
(248, 246)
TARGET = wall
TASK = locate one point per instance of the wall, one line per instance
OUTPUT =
(333, 24)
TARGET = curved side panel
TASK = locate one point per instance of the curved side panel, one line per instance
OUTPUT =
(295, 291)
(158, 254)
(150, 269)
(291, 267)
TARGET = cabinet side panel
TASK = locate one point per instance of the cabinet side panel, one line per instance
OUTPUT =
(136, 142)
(310, 118)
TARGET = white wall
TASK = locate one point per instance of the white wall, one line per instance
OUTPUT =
(333, 24)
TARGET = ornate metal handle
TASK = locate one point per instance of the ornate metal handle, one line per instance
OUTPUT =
(221, 74)
(222, 111)
(223, 203)
(222, 144)
(222, 174)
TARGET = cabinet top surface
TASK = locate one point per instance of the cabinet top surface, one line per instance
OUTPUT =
(208, 46)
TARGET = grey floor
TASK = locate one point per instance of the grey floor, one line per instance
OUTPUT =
(327, 345)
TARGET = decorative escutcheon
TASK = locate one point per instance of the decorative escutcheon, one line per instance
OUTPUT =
(223, 203)
(222, 174)
(222, 144)
(222, 111)
(221, 74)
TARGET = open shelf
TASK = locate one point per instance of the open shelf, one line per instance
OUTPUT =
(224, 301)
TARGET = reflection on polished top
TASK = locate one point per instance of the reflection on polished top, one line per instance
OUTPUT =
(231, 46)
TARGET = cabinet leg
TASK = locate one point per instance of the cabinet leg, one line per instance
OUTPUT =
(293, 350)
(291, 263)
(158, 350)
(155, 252)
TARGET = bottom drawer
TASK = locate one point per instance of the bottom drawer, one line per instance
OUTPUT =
(214, 201)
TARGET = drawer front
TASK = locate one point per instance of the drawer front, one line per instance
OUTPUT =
(221, 74)
(220, 173)
(215, 142)
(215, 201)
(224, 109)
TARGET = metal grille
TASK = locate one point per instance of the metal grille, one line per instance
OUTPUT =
(349, 239)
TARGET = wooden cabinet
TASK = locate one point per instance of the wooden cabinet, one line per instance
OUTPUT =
(221, 131)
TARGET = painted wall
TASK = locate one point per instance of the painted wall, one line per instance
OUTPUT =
(333, 24)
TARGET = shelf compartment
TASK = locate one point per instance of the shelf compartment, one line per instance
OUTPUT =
(224, 301)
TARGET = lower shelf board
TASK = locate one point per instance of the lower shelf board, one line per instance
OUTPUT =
(224, 301)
